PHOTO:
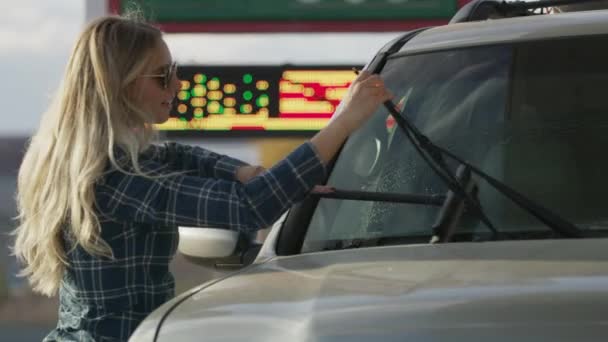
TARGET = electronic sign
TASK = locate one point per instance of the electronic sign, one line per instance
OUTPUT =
(268, 99)
(292, 15)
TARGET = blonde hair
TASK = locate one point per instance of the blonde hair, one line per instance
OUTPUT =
(92, 115)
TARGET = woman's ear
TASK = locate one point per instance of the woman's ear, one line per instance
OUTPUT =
(134, 90)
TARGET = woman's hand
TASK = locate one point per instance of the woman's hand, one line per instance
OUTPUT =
(364, 96)
(245, 173)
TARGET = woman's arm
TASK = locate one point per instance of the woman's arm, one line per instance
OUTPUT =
(209, 202)
(196, 161)
(365, 94)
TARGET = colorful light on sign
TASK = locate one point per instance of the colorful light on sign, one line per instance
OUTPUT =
(261, 98)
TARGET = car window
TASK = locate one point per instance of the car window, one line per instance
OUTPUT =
(557, 127)
(530, 115)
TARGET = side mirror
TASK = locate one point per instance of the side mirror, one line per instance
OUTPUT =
(217, 248)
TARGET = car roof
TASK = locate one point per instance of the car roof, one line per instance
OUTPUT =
(509, 30)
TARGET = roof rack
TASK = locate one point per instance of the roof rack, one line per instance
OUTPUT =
(478, 10)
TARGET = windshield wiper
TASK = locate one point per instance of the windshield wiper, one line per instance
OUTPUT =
(433, 157)
(436, 200)
(453, 207)
(427, 149)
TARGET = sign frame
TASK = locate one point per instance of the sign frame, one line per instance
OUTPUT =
(267, 26)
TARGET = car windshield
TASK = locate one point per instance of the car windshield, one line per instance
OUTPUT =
(532, 115)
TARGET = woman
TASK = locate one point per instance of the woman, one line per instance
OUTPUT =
(99, 205)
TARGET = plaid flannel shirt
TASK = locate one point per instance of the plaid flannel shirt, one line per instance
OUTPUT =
(103, 299)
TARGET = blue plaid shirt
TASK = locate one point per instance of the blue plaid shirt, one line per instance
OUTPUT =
(103, 299)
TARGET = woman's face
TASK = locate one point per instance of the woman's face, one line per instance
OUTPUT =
(149, 91)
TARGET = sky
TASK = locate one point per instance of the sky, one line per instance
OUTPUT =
(36, 37)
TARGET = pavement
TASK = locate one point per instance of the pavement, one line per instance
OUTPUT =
(22, 333)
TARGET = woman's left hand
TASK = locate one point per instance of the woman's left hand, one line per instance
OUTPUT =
(245, 173)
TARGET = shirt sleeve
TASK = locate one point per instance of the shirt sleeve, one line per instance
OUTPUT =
(194, 160)
(186, 200)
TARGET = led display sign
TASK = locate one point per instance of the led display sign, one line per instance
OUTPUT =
(257, 98)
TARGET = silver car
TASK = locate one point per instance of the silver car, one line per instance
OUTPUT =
(473, 207)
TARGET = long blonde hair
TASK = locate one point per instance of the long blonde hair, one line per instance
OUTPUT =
(92, 115)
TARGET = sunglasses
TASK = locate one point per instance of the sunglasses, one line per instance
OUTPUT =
(166, 76)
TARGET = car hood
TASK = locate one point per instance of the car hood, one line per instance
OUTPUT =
(500, 291)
